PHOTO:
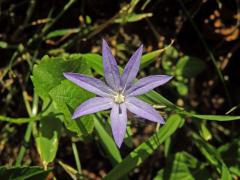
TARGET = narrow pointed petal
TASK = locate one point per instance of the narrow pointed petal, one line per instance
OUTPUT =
(91, 84)
(146, 84)
(144, 110)
(93, 105)
(131, 69)
(118, 122)
(111, 71)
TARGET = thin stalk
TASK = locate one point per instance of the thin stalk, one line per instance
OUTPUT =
(28, 132)
(50, 24)
(36, 36)
(29, 13)
(9, 67)
(34, 113)
(96, 29)
(155, 32)
(212, 57)
(24, 145)
(233, 109)
(27, 104)
(77, 159)
(19, 120)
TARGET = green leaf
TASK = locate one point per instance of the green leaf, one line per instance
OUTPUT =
(47, 140)
(181, 88)
(66, 97)
(225, 174)
(169, 57)
(212, 155)
(230, 153)
(49, 83)
(207, 150)
(3, 44)
(204, 132)
(73, 173)
(235, 171)
(189, 66)
(210, 117)
(49, 73)
(170, 53)
(88, 20)
(183, 166)
(20, 173)
(167, 145)
(95, 61)
(149, 58)
(137, 156)
(132, 17)
(61, 32)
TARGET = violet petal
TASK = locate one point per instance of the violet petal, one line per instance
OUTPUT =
(131, 69)
(111, 72)
(91, 84)
(93, 105)
(118, 122)
(146, 84)
(144, 110)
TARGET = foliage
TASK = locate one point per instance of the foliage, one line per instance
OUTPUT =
(197, 141)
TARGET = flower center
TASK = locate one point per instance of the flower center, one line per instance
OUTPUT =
(119, 98)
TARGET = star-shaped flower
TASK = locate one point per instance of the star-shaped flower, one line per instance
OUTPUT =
(119, 92)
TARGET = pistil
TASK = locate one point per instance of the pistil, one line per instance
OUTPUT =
(119, 98)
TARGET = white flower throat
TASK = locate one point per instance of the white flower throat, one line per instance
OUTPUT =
(119, 98)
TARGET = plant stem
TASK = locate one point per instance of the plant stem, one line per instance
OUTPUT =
(77, 159)
(51, 23)
(28, 132)
(31, 8)
(36, 36)
(24, 145)
(18, 120)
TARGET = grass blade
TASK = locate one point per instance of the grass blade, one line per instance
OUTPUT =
(137, 156)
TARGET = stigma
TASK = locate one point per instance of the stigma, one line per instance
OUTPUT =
(119, 98)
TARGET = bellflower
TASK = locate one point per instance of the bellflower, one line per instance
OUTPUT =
(119, 92)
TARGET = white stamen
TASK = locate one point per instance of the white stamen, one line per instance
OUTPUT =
(119, 98)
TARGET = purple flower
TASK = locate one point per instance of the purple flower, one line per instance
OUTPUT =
(118, 93)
